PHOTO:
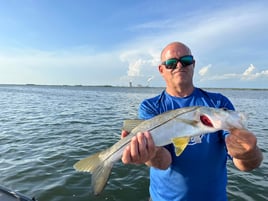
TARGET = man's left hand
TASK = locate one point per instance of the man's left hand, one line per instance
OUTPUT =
(242, 146)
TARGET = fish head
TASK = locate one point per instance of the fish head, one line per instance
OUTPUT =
(221, 118)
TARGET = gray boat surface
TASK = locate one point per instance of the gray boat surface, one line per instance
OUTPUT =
(10, 195)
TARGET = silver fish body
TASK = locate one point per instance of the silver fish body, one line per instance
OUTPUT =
(175, 126)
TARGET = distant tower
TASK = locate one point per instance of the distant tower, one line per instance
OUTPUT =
(130, 84)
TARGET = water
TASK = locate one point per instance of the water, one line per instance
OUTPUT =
(44, 130)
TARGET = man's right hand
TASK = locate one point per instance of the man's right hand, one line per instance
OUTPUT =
(142, 149)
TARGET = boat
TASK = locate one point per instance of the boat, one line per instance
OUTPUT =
(10, 195)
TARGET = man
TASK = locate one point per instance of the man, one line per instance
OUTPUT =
(199, 173)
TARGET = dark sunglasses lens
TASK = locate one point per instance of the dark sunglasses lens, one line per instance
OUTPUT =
(187, 60)
(171, 63)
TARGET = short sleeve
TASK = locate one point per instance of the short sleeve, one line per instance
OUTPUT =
(146, 110)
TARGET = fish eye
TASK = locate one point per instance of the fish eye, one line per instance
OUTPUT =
(224, 109)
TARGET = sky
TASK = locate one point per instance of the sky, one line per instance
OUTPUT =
(97, 42)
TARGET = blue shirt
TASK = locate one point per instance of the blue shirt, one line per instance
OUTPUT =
(199, 173)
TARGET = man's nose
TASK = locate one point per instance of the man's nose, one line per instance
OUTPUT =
(179, 65)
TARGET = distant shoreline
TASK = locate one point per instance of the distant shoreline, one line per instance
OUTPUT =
(44, 85)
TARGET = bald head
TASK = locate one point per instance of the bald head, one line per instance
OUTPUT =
(175, 48)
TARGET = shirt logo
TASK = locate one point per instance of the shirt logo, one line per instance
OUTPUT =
(196, 139)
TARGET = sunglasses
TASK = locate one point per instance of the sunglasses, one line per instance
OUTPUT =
(184, 60)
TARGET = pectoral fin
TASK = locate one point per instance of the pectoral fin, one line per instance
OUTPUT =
(180, 144)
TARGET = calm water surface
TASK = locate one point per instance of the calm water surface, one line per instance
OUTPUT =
(45, 130)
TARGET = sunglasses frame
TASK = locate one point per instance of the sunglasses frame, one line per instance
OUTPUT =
(174, 66)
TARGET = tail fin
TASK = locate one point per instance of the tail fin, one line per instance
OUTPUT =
(100, 170)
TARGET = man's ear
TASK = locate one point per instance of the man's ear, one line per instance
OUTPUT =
(160, 69)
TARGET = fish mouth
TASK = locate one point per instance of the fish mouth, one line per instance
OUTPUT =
(242, 122)
(206, 121)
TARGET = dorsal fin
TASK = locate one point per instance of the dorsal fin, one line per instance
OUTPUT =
(129, 124)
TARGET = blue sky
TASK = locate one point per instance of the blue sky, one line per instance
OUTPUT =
(97, 42)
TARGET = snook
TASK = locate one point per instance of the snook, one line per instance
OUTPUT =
(175, 126)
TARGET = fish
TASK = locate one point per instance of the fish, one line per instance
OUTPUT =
(174, 126)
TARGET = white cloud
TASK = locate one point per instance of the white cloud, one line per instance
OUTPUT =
(150, 78)
(250, 73)
(70, 66)
(135, 68)
(211, 32)
(203, 71)
(141, 63)
(213, 35)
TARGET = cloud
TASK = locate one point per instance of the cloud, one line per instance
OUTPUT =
(250, 73)
(150, 78)
(217, 37)
(249, 70)
(40, 58)
(203, 71)
(210, 31)
(141, 63)
(135, 66)
(69, 66)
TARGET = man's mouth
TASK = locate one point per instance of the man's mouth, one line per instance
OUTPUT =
(179, 71)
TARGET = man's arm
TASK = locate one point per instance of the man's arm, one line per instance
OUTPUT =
(142, 150)
(242, 146)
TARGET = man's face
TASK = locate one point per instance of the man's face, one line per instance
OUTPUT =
(181, 76)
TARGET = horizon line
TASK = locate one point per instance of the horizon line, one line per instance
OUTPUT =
(139, 86)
